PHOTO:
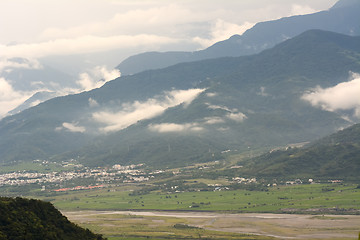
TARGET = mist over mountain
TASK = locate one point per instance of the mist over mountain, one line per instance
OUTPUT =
(342, 18)
(21, 78)
(191, 112)
(27, 82)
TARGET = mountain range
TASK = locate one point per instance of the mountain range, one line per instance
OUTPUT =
(342, 18)
(39, 82)
(191, 112)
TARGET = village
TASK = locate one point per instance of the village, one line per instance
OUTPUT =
(97, 176)
(74, 176)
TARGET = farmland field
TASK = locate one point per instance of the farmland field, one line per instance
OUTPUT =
(328, 211)
(196, 225)
(314, 198)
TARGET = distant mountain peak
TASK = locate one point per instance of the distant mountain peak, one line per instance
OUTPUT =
(345, 3)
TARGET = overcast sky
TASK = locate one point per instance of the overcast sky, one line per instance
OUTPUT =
(40, 28)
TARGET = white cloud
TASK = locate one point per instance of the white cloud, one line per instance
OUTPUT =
(214, 120)
(222, 30)
(301, 9)
(233, 114)
(343, 96)
(173, 127)
(10, 98)
(96, 77)
(211, 94)
(136, 111)
(93, 103)
(262, 92)
(71, 127)
(35, 103)
(83, 44)
(130, 22)
(237, 116)
(219, 107)
(10, 64)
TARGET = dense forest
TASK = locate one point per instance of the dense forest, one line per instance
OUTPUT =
(32, 219)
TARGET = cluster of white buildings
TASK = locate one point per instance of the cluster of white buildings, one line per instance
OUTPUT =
(22, 178)
(100, 175)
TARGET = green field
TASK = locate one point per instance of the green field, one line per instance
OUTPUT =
(330, 198)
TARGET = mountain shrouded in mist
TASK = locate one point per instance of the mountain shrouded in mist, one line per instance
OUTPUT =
(190, 112)
(343, 18)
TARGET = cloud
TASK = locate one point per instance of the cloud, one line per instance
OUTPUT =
(222, 30)
(301, 9)
(211, 94)
(71, 127)
(219, 107)
(343, 96)
(96, 77)
(110, 24)
(232, 114)
(93, 103)
(262, 92)
(131, 22)
(81, 45)
(237, 117)
(213, 120)
(137, 111)
(173, 127)
(9, 64)
(10, 98)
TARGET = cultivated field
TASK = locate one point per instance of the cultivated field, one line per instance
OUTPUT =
(314, 198)
(328, 211)
(196, 225)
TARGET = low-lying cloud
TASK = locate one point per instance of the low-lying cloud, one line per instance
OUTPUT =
(174, 127)
(297, 9)
(343, 96)
(222, 30)
(8, 65)
(96, 77)
(81, 45)
(232, 114)
(10, 98)
(236, 116)
(71, 127)
(137, 111)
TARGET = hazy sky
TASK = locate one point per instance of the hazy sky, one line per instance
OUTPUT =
(39, 28)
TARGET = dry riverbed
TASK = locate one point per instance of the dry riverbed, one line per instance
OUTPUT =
(282, 226)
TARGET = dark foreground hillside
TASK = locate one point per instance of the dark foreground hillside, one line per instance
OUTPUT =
(34, 219)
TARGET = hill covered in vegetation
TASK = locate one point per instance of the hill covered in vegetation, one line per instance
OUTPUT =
(34, 219)
(335, 156)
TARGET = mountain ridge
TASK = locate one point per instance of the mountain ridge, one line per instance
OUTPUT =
(341, 18)
(240, 102)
